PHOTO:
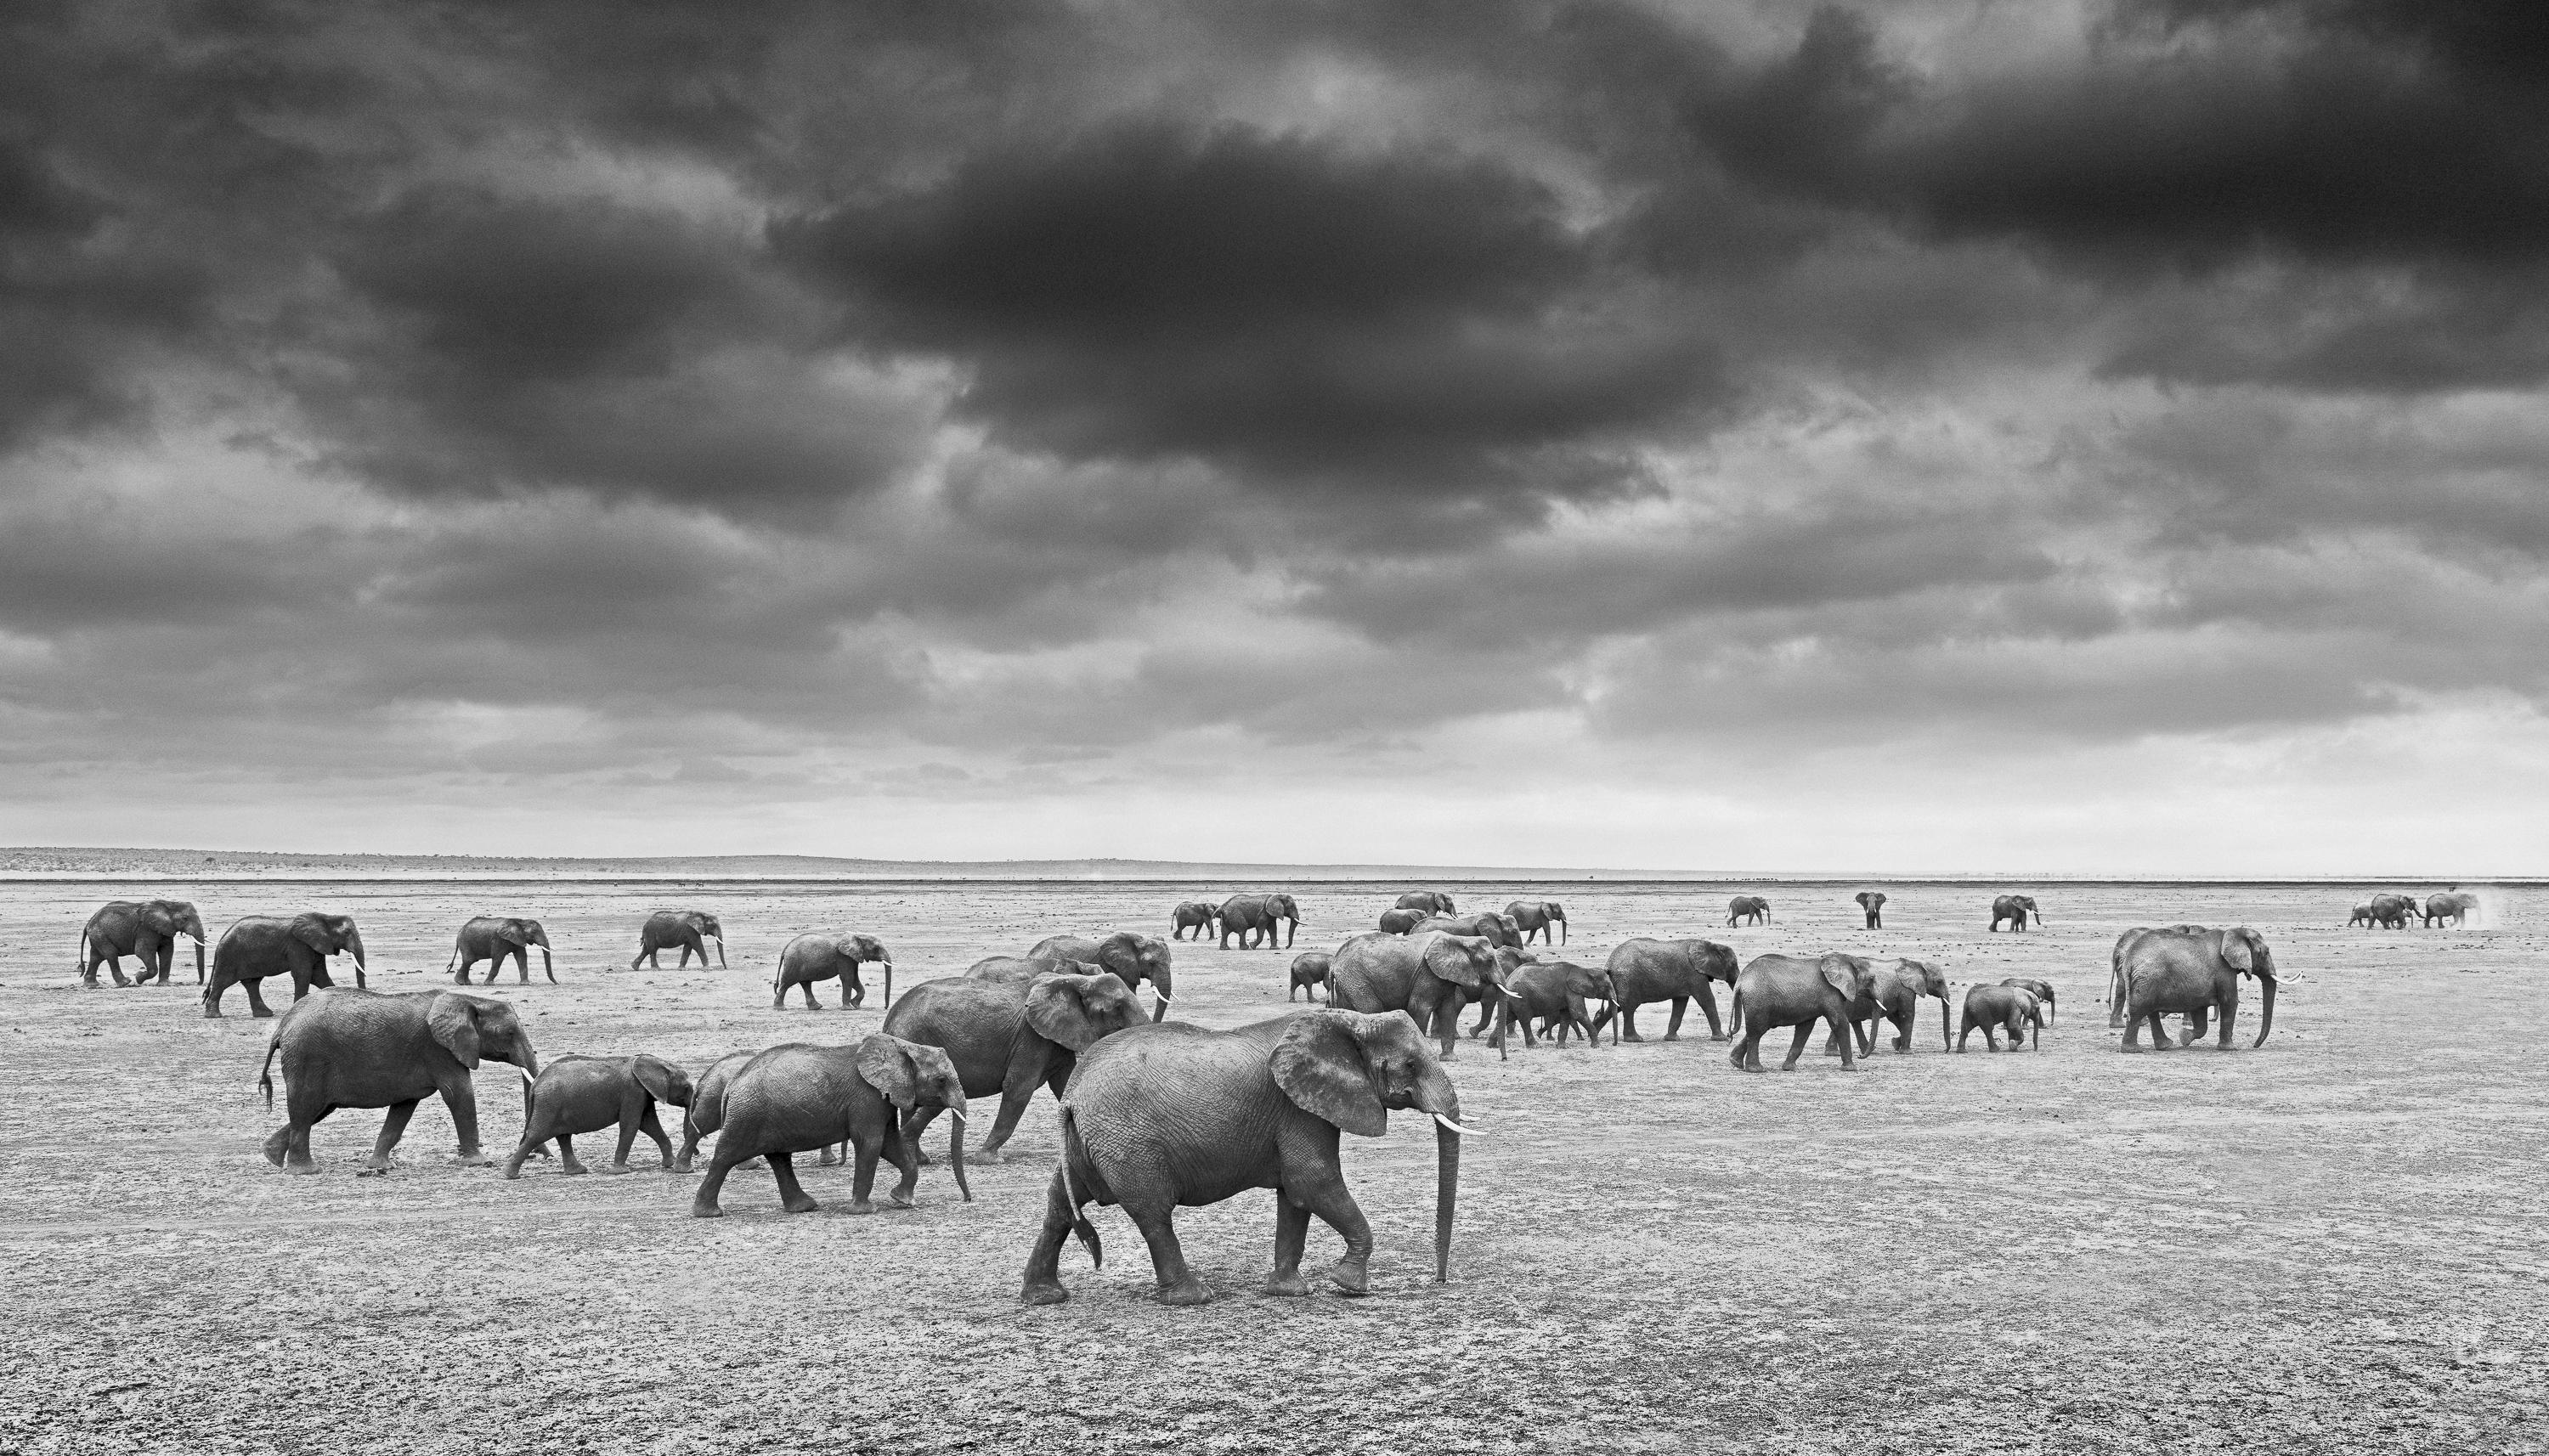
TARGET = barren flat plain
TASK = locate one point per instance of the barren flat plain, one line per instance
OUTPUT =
(2335, 1242)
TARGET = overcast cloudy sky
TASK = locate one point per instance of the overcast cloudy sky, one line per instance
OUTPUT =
(1940, 435)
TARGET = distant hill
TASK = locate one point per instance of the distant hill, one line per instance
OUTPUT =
(203, 863)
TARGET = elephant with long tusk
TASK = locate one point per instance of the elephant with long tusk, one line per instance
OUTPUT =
(1173, 1115)
(1133, 956)
(2197, 972)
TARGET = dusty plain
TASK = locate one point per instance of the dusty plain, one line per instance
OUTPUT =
(2333, 1244)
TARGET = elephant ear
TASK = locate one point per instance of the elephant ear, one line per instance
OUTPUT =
(453, 1022)
(2234, 951)
(1056, 1013)
(510, 932)
(1319, 1063)
(886, 1061)
(312, 931)
(159, 920)
(657, 1079)
(1447, 957)
(1842, 976)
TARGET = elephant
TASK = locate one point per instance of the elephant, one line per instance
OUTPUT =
(259, 945)
(1427, 975)
(819, 958)
(1746, 910)
(2014, 909)
(1194, 915)
(1494, 929)
(2043, 991)
(1894, 995)
(1400, 922)
(1009, 1039)
(2361, 916)
(688, 929)
(706, 1111)
(1131, 955)
(1175, 1114)
(1873, 902)
(146, 928)
(2116, 964)
(360, 1048)
(1559, 994)
(492, 938)
(1310, 972)
(1433, 902)
(2002, 1008)
(797, 1098)
(2454, 906)
(1535, 917)
(586, 1094)
(1788, 990)
(2197, 973)
(2394, 911)
(1249, 916)
(1644, 971)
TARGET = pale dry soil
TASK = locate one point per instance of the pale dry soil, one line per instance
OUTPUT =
(2333, 1244)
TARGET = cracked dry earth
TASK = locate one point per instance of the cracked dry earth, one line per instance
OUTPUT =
(2331, 1244)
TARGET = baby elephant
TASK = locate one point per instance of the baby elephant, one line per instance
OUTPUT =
(1310, 974)
(799, 1099)
(2043, 992)
(2002, 1008)
(1554, 994)
(586, 1094)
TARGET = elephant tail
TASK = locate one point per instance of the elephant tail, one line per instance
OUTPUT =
(83, 951)
(265, 1073)
(1073, 1194)
(1734, 1018)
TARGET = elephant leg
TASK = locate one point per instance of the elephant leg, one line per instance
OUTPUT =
(808, 987)
(653, 1127)
(256, 1005)
(535, 1130)
(854, 992)
(906, 1167)
(782, 1166)
(1797, 1045)
(691, 1135)
(1178, 1284)
(628, 1117)
(1866, 1036)
(1328, 1197)
(2227, 1010)
(1707, 998)
(703, 1203)
(522, 965)
(1672, 1027)
(1292, 1237)
(2160, 1039)
(1837, 1018)
(1043, 1283)
(288, 1147)
(393, 1128)
(917, 1121)
(568, 1163)
(1028, 1062)
(462, 1101)
(2195, 1022)
(115, 968)
(863, 1161)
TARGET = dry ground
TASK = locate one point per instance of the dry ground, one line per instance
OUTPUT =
(2334, 1243)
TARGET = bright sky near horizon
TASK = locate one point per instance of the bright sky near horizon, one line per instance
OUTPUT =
(2098, 436)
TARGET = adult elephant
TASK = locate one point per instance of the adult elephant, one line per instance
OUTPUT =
(1132, 957)
(1006, 1038)
(1170, 1115)
(2124, 945)
(1873, 903)
(359, 1048)
(492, 938)
(2196, 973)
(1644, 970)
(1194, 915)
(259, 945)
(147, 928)
(689, 929)
(820, 957)
(2016, 909)
(2392, 912)
(1486, 925)
(1535, 917)
(2452, 905)
(1894, 995)
(1747, 910)
(1430, 976)
(1400, 922)
(706, 1112)
(1432, 902)
(799, 1098)
(1249, 916)
(1789, 991)
(1559, 996)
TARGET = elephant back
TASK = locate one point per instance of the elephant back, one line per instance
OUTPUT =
(1373, 972)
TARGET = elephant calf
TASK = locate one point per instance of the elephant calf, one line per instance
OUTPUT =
(819, 958)
(2043, 991)
(1310, 972)
(1557, 994)
(1644, 970)
(586, 1094)
(2002, 1008)
(1894, 995)
(799, 1099)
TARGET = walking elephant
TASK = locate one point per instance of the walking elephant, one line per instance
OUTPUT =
(1873, 903)
(2040, 990)
(1428, 976)
(1310, 970)
(2014, 909)
(1644, 970)
(1746, 910)
(1789, 991)
(2124, 945)
(1400, 922)
(689, 929)
(2361, 916)
(492, 938)
(1535, 917)
(1558, 995)
(586, 1094)
(1174, 1115)
(2453, 906)
(1132, 957)
(259, 945)
(1486, 925)
(1894, 995)
(359, 1048)
(706, 1112)
(1432, 902)
(2392, 912)
(819, 958)
(1007, 1039)
(1193, 915)
(1251, 916)
(1998, 1009)
(797, 1098)
(2196, 971)
(144, 929)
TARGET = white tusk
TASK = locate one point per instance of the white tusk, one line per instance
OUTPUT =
(956, 1113)
(1161, 997)
(1457, 1128)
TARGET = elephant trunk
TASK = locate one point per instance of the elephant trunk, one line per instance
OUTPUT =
(199, 960)
(955, 1150)
(1946, 1025)
(548, 968)
(720, 953)
(2266, 1022)
(355, 948)
(1161, 992)
(527, 1059)
(1561, 930)
(1447, 1196)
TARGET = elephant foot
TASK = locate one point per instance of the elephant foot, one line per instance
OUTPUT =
(275, 1145)
(366, 1171)
(471, 1158)
(862, 1206)
(617, 1169)
(985, 1157)
(703, 1209)
(261, 1014)
(1043, 1294)
(576, 1170)
(1672, 1035)
(1632, 1037)
(1289, 1286)
(680, 1165)
(210, 1014)
(801, 1204)
(827, 1160)
(896, 1201)
(1349, 1278)
(1186, 1291)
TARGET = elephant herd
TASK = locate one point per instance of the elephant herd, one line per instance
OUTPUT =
(2394, 911)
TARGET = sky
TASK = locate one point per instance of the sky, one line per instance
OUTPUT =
(1949, 436)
